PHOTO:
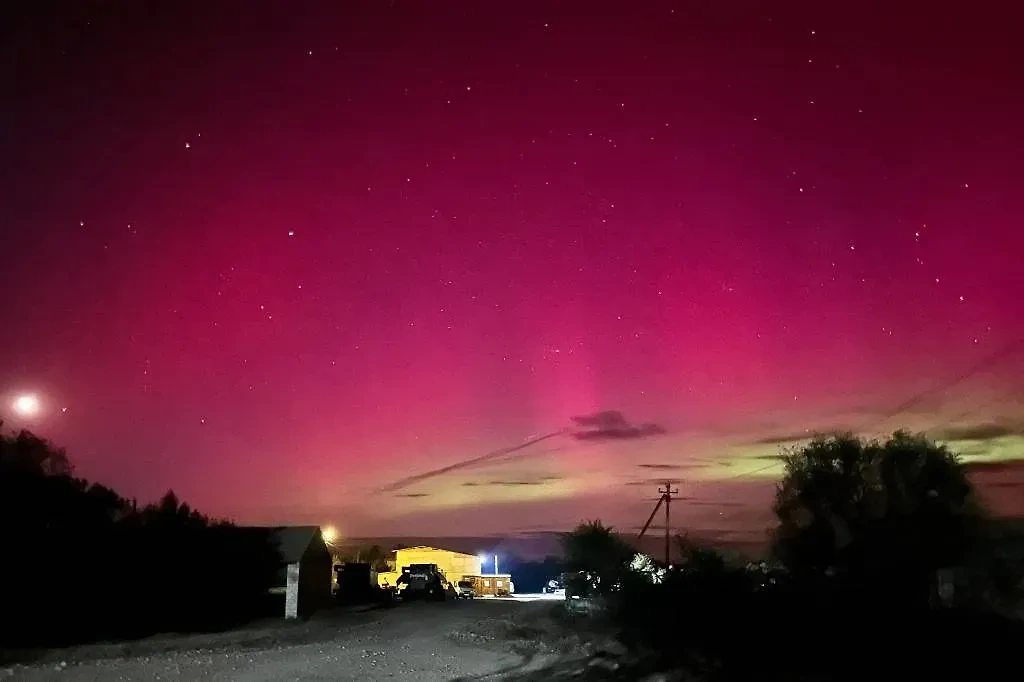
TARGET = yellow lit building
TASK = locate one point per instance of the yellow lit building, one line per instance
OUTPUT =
(454, 565)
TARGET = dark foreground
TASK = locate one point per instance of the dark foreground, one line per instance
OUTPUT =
(423, 641)
(525, 642)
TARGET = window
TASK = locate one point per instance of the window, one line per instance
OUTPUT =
(497, 583)
(487, 583)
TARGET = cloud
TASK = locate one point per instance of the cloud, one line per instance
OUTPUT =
(413, 495)
(686, 502)
(982, 431)
(649, 481)
(612, 425)
(770, 456)
(510, 483)
(671, 467)
(996, 467)
(1005, 484)
(788, 438)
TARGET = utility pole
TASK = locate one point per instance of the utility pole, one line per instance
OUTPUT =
(666, 498)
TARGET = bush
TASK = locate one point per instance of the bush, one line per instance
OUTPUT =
(697, 611)
(598, 558)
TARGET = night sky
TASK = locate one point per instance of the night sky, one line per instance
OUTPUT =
(279, 255)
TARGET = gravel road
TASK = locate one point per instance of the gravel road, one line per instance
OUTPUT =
(410, 642)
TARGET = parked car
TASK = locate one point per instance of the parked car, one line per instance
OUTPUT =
(464, 589)
(554, 586)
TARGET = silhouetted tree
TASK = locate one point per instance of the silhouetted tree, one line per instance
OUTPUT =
(375, 556)
(875, 514)
(85, 553)
(595, 549)
(171, 512)
(28, 454)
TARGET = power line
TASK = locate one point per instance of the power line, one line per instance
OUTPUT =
(496, 454)
(666, 499)
(984, 363)
(988, 360)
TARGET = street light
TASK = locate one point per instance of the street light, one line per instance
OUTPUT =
(329, 534)
(483, 562)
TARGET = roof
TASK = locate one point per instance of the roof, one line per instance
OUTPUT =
(427, 548)
(292, 542)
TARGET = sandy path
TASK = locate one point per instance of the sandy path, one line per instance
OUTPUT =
(409, 642)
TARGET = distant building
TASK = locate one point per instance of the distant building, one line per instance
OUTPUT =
(305, 571)
(491, 585)
(454, 566)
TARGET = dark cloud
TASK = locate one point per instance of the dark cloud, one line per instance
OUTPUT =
(649, 481)
(782, 440)
(1005, 484)
(770, 456)
(788, 438)
(413, 495)
(612, 425)
(509, 483)
(984, 431)
(671, 467)
(688, 502)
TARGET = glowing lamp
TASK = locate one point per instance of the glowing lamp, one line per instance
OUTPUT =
(329, 534)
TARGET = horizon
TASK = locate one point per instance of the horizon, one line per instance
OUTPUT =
(415, 268)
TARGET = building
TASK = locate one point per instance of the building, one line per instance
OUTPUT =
(305, 571)
(453, 565)
(492, 585)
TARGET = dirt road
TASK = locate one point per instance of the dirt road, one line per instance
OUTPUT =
(410, 642)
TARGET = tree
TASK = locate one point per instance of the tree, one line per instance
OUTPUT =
(27, 454)
(595, 549)
(172, 513)
(375, 556)
(872, 513)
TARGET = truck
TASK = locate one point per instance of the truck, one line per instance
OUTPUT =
(422, 581)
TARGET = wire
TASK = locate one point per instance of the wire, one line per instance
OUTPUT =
(985, 362)
(496, 454)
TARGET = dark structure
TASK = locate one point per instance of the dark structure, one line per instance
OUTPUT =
(357, 583)
(304, 569)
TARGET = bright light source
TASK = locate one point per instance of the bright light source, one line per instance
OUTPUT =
(329, 533)
(26, 405)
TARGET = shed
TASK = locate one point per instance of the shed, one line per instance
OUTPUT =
(305, 571)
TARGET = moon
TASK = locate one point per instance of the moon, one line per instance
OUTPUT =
(26, 405)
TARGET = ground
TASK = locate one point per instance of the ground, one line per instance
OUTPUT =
(485, 639)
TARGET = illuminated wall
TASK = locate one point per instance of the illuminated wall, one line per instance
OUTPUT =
(454, 565)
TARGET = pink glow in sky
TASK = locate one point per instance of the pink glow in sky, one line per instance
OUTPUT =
(276, 259)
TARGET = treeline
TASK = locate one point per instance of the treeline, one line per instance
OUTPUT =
(883, 563)
(82, 563)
